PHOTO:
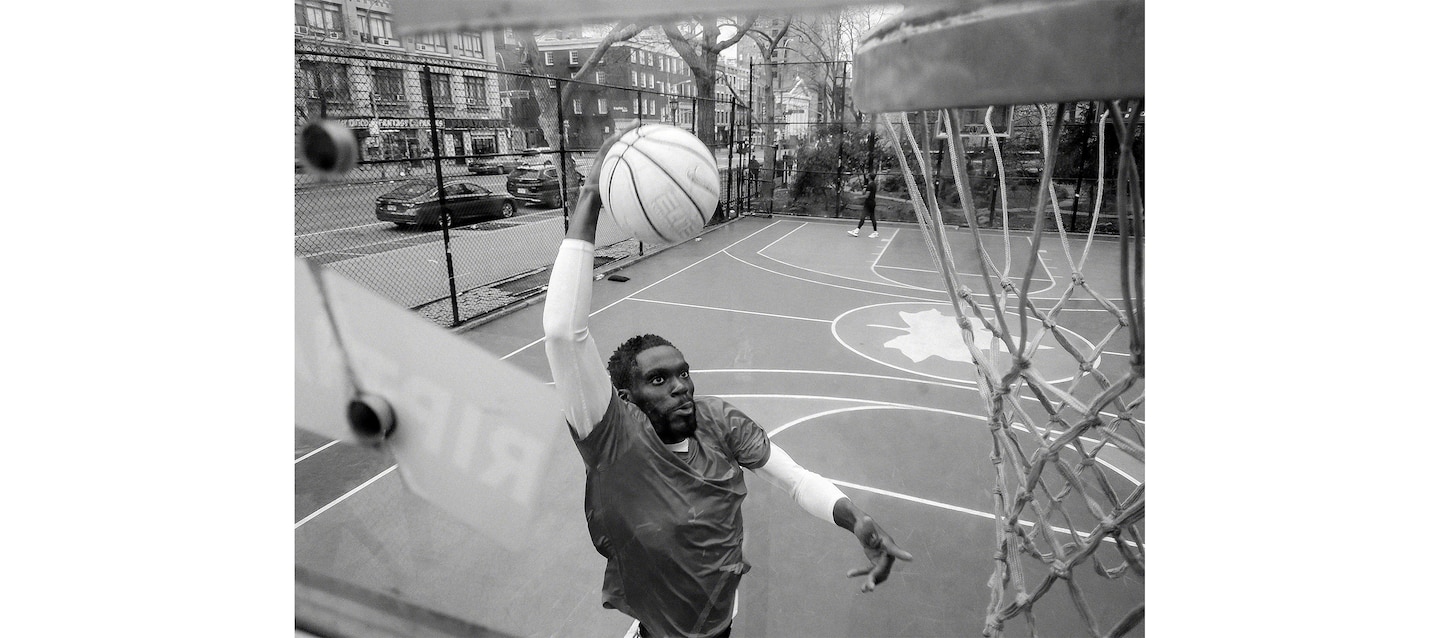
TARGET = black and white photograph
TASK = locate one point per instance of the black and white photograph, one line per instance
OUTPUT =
(741, 318)
(592, 337)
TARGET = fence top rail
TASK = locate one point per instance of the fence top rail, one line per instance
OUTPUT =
(474, 67)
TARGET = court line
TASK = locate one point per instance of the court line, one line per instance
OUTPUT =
(957, 508)
(887, 282)
(960, 384)
(883, 405)
(745, 312)
(345, 496)
(821, 283)
(706, 258)
(315, 451)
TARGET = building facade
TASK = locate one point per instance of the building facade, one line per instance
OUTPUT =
(351, 67)
(635, 81)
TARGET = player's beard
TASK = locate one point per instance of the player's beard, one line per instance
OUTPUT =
(670, 425)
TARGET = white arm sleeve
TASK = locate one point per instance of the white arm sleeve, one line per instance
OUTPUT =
(575, 363)
(815, 494)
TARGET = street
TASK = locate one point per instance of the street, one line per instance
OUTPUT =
(337, 222)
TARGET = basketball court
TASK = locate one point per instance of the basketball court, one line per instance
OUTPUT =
(847, 351)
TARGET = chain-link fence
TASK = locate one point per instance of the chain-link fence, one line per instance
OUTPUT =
(460, 198)
(466, 173)
(813, 153)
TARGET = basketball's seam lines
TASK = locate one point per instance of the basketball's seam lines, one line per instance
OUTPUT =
(640, 201)
(682, 147)
(667, 173)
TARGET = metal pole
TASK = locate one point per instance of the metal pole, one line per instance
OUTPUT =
(730, 162)
(839, 155)
(440, 186)
(560, 127)
(749, 133)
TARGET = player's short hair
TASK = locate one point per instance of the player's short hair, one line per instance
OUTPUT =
(622, 366)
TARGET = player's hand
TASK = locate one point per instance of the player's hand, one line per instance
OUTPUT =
(605, 148)
(880, 549)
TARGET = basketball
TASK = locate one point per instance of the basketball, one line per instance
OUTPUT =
(660, 183)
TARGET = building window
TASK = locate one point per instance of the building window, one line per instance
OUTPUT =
(599, 77)
(470, 44)
(574, 57)
(649, 59)
(326, 80)
(475, 90)
(634, 78)
(375, 27)
(602, 106)
(634, 56)
(431, 42)
(576, 105)
(440, 88)
(549, 58)
(509, 36)
(318, 15)
(389, 85)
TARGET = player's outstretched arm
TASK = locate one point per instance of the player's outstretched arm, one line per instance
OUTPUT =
(575, 363)
(879, 547)
(818, 496)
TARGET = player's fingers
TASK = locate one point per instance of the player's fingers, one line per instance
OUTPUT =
(881, 571)
(894, 550)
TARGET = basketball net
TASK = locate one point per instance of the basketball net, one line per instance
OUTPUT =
(1061, 501)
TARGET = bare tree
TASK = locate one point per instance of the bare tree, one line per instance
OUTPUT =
(769, 41)
(699, 44)
(549, 99)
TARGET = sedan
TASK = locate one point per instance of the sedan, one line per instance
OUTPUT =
(488, 167)
(418, 202)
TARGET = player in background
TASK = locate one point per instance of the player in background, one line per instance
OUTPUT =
(663, 480)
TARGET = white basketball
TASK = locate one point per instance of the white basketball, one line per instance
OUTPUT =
(660, 183)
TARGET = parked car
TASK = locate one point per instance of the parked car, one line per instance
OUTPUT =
(535, 184)
(418, 202)
(494, 166)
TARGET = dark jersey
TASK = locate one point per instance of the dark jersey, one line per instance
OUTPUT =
(669, 525)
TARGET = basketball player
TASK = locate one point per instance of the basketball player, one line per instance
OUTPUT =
(663, 481)
(869, 210)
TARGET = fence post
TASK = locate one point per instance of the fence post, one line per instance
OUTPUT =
(749, 134)
(840, 154)
(730, 163)
(429, 91)
(560, 132)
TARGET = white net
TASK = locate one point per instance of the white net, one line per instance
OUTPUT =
(1066, 451)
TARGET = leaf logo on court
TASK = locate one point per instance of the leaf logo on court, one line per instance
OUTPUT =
(932, 334)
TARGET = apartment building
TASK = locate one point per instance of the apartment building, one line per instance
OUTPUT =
(642, 81)
(351, 67)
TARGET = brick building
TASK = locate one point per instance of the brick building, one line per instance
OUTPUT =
(381, 97)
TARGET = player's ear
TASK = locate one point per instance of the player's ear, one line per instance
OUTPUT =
(624, 394)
